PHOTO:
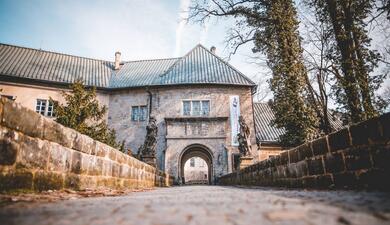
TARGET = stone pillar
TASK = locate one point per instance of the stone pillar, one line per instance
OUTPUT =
(245, 161)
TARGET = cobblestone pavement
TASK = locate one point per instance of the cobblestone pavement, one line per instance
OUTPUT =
(209, 205)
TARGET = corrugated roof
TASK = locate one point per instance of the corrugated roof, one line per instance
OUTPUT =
(263, 117)
(21, 62)
(199, 66)
(266, 133)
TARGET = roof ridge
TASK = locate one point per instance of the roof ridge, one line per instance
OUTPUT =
(228, 64)
(143, 60)
(59, 53)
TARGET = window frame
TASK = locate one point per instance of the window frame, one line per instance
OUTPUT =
(48, 105)
(191, 112)
(140, 112)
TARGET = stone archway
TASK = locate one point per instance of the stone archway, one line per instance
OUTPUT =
(196, 150)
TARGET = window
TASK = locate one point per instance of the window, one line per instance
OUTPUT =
(44, 107)
(196, 108)
(192, 162)
(139, 113)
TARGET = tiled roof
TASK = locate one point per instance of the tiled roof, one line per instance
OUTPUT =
(263, 116)
(199, 66)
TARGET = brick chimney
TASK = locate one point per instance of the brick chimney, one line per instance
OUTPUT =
(213, 49)
(117, 60)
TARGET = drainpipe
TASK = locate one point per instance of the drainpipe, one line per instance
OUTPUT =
(150, 101)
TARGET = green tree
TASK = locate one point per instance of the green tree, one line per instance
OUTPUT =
(272, 26)
(351, 53)
(83, 113)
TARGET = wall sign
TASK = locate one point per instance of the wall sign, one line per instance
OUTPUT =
(234, 114)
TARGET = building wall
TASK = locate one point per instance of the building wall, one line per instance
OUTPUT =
(171, 141)
(27, 95)
(198, 172)
(166, 103)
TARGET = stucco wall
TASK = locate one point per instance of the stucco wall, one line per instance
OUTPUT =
(27, 95)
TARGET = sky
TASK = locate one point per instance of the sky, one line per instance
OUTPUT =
(139, 29)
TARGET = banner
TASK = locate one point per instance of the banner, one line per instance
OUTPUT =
(234, 114)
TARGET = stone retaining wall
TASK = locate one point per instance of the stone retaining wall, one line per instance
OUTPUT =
(38, 154)
(354, 157)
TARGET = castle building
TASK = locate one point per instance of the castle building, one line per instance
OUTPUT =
(196, 100)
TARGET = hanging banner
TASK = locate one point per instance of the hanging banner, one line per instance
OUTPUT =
(234, 114)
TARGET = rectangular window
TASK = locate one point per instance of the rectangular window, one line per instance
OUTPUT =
(196, 108)
(139, 113)
(186, 108)
(45, 107)
(192, 162)
(205, 108)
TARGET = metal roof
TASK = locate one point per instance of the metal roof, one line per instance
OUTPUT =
(264, 115)
(265, 132)
(199, 66)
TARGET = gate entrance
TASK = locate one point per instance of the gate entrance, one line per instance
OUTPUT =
(194, 151)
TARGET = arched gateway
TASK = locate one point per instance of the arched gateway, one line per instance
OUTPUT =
(196, 150)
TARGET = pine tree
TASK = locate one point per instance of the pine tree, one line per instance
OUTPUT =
(83, 113)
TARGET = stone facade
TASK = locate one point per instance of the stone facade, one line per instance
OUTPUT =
(354, 157)
(197, 172)
(38, 154)
(175, 131)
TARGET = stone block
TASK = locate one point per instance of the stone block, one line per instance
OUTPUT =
(48, 181)
(55, 132)
(95, 167)
(8, 147)
(124, 171)
(345, 180)
(294, 155)
(22, 119)
(304, 151)
(83, 143)
(381, 157)
(121, 157)
(60, 158)
(339, 140)
(112, 154)
(320, 146)
(107, 167)
(302, 169)
(101, 149)
(283, 160)
(315, 166)
(385, 124)
(374, 179)
(334, 163)
(76, 162)
(72, 181)
(357, 158)
(15, 180)
(33, 153)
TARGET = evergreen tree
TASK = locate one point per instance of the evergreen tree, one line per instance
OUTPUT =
(83, 113)
(352, 55)
(273, 27)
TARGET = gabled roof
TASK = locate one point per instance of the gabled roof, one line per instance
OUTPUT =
(264, 115)
(199, 66)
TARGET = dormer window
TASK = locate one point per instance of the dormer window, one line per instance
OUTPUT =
(196, 108)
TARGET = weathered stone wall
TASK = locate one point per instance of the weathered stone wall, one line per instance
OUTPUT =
(38, 154)
(354, 157)
(167, 103)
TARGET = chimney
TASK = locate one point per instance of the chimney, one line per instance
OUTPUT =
(117, 60)
(213, 49)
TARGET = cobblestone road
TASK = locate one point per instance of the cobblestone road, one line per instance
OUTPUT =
(209, 205)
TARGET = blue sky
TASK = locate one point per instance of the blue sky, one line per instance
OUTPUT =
(140, 29)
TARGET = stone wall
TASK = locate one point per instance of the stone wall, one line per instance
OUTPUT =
(38, 154)
(354, 157)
